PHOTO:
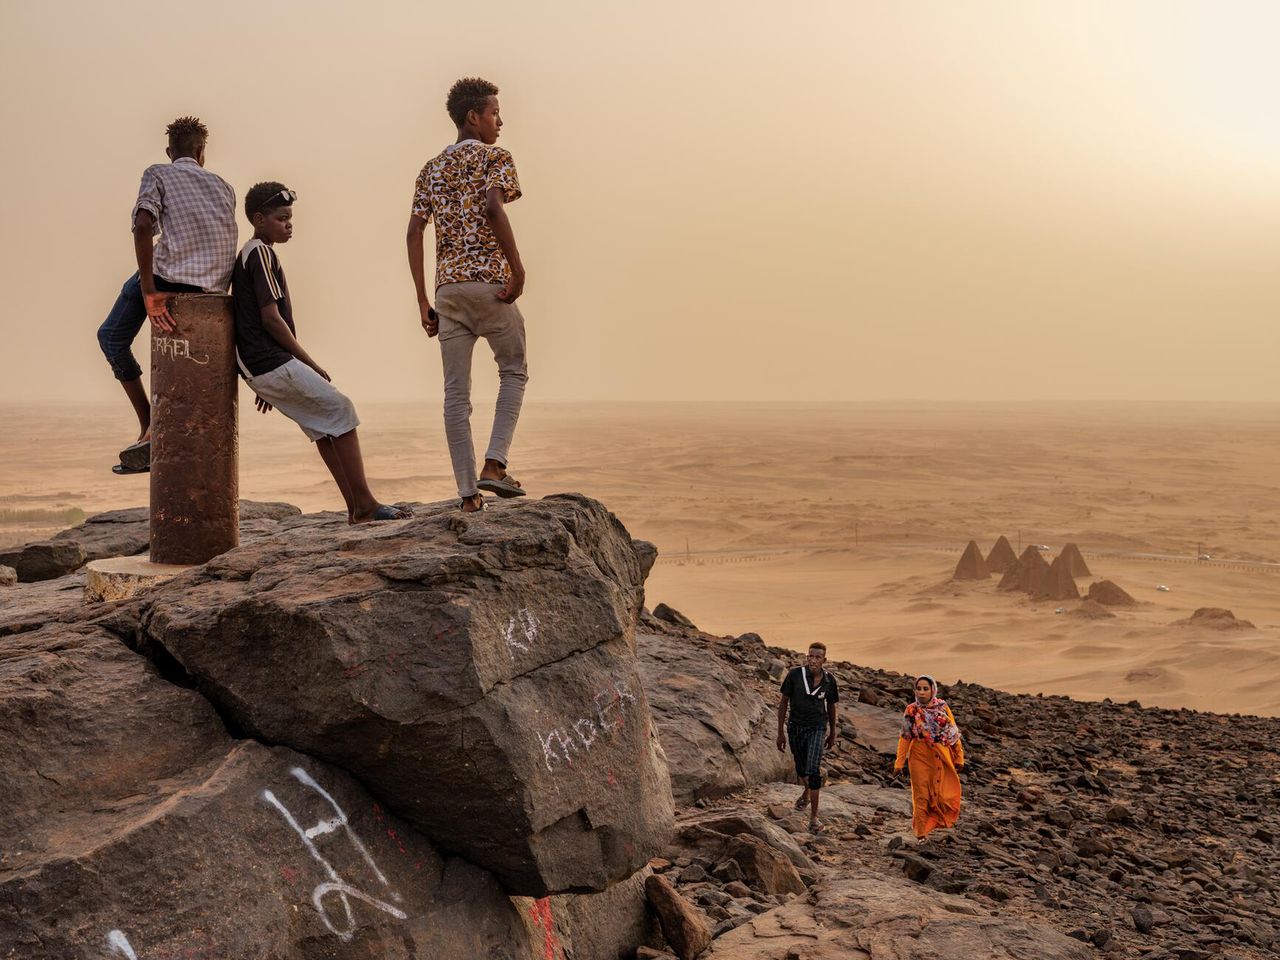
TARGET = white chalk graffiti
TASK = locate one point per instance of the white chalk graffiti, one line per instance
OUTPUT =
(119, 943)
(335, 883)
(527, 625)
(562, 743)
(175, 349)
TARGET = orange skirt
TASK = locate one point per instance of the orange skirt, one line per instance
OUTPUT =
(935, 787)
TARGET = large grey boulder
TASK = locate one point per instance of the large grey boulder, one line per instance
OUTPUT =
(476, 672)
(135, 827)
(27, 606)
(44, 560)
(78, 719)
(592, 926)
(716, 731)
(684, 926)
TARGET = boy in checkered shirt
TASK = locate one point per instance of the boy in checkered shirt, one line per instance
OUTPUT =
(193, 212)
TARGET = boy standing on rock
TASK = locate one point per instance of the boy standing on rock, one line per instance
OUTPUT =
(193, 211)
(479, 276)
(278, 370)
(811, 694)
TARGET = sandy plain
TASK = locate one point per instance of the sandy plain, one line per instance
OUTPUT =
(842, 523)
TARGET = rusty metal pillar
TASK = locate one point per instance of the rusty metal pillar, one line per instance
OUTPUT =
(195, 486)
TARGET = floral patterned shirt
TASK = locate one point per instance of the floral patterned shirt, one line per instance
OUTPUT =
(451, 189)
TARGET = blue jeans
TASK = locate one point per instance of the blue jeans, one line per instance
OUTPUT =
(120, 329)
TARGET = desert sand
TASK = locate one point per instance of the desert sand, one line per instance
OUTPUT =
(843, 523)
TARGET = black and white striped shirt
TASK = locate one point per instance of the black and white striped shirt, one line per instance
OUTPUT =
(259, 280)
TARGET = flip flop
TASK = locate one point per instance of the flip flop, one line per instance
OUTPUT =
(505, 488)
(137, 456)
(120, 470)
(388, 512)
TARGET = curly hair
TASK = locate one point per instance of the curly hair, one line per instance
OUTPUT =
(469, 93)
(186, 135)
(262, 198)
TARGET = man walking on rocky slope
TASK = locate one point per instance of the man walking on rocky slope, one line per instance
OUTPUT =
(479, 277)
(811, 694)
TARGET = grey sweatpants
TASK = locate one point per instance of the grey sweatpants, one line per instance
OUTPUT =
(469, 311)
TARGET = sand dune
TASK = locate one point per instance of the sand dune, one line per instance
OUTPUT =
(844, 523)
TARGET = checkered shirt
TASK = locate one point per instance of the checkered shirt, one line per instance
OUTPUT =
(195, 213)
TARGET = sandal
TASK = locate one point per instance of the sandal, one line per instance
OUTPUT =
(815, 826)
(462, 505)
(802, 802)
(506, 488)
(137, 456)
(120, 470)
(387, 512)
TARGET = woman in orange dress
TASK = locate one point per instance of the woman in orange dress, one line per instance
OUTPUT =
(930, 748)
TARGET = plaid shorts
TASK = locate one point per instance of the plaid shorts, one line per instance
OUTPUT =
(806, 749)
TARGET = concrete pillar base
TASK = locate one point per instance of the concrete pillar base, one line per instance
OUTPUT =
(119, 578)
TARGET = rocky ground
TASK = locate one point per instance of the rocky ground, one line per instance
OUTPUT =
(159, 750)
(1139, 832)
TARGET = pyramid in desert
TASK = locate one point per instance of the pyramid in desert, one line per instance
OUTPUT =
(971, 565)
(1001, 557)
(1012, 579)
(1058, 584)
(1075, 561)
(1012, 576)
(1109, 594)
(1027, 574)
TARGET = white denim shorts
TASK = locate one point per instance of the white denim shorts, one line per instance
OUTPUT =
(306, 398)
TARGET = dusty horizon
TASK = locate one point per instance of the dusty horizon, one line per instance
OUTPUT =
(844, 523)
(854, 202)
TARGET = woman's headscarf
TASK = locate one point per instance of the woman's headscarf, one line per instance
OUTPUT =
(930, 722)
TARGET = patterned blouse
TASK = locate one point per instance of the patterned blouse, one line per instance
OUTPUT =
(452, 189)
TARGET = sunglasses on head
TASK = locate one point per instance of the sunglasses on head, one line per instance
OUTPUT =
(286, 196)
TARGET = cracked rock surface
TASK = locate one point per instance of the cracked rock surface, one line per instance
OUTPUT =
(477, 673)
(148, 812)
(133, 819)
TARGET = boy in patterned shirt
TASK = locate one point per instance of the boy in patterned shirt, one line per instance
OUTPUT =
(479, 276)
(193, 211)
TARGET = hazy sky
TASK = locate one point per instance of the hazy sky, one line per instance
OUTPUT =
(723, 200)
